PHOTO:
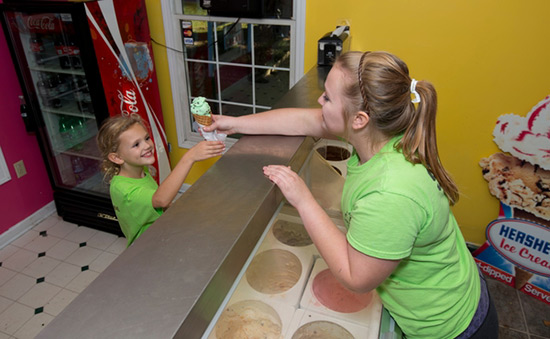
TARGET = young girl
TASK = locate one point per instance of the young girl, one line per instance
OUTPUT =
(402, 237)
(127, 150)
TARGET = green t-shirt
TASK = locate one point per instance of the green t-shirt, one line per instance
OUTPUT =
(133, 203)
(396, 210)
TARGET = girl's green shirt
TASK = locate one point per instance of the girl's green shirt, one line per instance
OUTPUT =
(133, 203)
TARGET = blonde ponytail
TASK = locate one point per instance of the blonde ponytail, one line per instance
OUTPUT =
(419, 142)
(383, 90)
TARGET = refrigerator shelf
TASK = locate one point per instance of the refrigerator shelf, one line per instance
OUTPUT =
(72, 109)
(52, 67)
(86, 148)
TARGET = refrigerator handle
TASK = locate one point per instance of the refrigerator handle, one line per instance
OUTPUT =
(27, 119)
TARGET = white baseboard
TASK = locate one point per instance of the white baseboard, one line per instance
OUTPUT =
(20, 228)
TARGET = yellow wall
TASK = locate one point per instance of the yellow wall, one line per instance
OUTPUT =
(154, 14)
(485, 58)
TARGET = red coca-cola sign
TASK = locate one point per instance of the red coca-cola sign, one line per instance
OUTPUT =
(128, 101)
(42, 23)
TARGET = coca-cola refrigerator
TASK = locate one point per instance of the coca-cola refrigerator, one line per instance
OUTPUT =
(79, 63)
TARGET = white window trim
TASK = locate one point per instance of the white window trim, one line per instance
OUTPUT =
(176, 64)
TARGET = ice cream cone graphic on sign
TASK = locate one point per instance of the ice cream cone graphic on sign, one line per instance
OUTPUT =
(521, 178)
(516, 251)
(522, 277)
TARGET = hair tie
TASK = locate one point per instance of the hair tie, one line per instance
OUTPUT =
(416, 98)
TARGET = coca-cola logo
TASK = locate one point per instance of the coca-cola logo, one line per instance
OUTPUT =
(128, 102)
(41, 22)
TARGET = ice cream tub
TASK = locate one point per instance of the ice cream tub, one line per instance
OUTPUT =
(311, 325)
(325, 295)
(276, 273)
(288, 232)
(252, 318)
(336, 153)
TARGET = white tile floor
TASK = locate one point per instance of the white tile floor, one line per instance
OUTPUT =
(43, 270)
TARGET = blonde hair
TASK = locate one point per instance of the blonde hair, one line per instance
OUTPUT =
(380, 86)
(108, 140)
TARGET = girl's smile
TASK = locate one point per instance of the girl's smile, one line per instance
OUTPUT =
(136, 149)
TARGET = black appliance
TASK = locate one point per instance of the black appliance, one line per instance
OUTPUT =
(332, 44)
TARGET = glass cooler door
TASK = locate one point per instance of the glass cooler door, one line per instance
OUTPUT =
(48, 48)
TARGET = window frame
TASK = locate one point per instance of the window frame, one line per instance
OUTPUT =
(171, 10)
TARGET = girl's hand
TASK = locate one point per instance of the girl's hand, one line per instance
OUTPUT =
(205, 149)
(293, 187)
(222, 123)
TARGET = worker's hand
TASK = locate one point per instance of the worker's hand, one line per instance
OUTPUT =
(223, 124)
(292, 186)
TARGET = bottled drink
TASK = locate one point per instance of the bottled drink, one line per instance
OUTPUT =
(29, 126)
(42, 89)
(78, 169)
(53, 92)
(52, 87)
(61, 50)
(80, 127)
(79, 99)
(64, 129)
(74, 55)
(62, 85)
(87, 100)
(37, 48)
(76, 133)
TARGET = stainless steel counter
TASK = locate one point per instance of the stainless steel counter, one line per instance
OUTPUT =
(173, 279)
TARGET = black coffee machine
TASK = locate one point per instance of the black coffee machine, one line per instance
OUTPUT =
(332, 44)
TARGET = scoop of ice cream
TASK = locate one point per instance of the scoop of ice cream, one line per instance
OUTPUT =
(199, 106)
(518, 184)
(527, 138)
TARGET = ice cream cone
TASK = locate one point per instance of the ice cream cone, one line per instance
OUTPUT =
(522, 277)
(205, 120)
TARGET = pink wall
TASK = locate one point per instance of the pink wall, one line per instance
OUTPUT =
(19, 198)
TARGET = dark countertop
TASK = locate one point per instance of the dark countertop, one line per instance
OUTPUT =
(173, 279)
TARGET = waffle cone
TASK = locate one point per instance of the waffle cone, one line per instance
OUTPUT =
(522, 277)
(205, 120)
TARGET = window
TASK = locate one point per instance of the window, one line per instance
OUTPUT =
(240, 65)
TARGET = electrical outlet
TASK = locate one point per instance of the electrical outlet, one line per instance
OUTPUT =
(20, 169)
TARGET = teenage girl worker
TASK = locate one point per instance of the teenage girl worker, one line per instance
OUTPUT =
(402, 237)
(127, 149)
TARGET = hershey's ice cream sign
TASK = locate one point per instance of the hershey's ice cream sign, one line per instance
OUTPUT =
(522, 243)
(517, 251)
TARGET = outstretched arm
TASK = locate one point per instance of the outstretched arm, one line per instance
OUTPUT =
(283, 121)
(355, 270)
(169, 187)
